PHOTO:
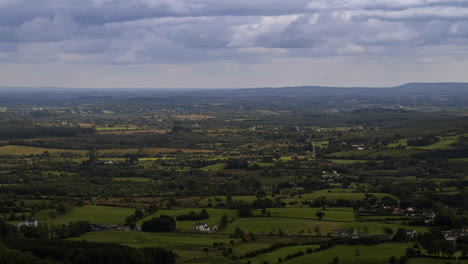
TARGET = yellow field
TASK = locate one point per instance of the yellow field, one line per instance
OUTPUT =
(25, 150)
(15, 150)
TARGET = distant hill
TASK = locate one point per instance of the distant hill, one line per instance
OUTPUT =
(410, 89)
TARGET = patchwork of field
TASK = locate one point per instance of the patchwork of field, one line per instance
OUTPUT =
(374, 153)
(16, 150)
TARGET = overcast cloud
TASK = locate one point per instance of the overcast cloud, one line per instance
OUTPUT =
(225, 43)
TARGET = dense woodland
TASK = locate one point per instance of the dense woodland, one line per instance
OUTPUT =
(304, 171)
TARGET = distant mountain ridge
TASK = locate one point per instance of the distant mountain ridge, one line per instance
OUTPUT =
(409, 89)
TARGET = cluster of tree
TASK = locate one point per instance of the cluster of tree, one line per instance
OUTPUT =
(162, 223)
(73, 229)
(236, 164)
(132, 219)
(32, 132)
(193, 216)
(18, 257)
(65, 251)
(423, 141)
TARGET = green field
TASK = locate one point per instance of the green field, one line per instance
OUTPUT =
(273, 256)
(15, 150)
(186, 246)
(348, 254)
(214, 167)
(215, 217)
(95, 214)
(374, 153)
(443, 144)
(436, 261)
(461, 159)
(346, 161)
(265, 225)
(132, 179)
(331, 214)
(376, 228)
(212, 199)
(336, 193)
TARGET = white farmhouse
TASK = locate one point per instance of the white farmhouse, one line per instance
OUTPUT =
(29, 222)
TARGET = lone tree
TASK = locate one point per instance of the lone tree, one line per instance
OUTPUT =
(320, 215)
(317, 229)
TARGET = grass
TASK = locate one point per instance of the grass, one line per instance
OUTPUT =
(435, 261)
(352, 153)
(354, 254)
(273, 256)
(43, 215)
(375, 153)
(331, 214)
(376, 228)
(212, 199)
(132, 179)
(214, 167)
(113, 128)
(443, 144)
(186, 246)
(265, 225)
(461, 159)
(393, 153)
(338, 193)
(15, 150)
(215, 217)
(95, 214)
(103, 152)
(346, 161)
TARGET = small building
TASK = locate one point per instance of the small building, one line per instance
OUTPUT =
(411, 233)
(204, 227)
(201, 227)
(29, 222)
(123, 228)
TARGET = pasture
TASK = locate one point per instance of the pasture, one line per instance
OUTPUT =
(214, 167)
(272, 257)
(95, 214)
(187, 246)
(331, 214)
(187, 226)
(16, 150)
(354, 254)
(339, 193)
(273, 225)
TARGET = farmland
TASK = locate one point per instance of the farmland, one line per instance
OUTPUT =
(95, 214)
(280, 179)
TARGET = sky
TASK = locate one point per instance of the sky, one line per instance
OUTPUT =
(232, 43)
